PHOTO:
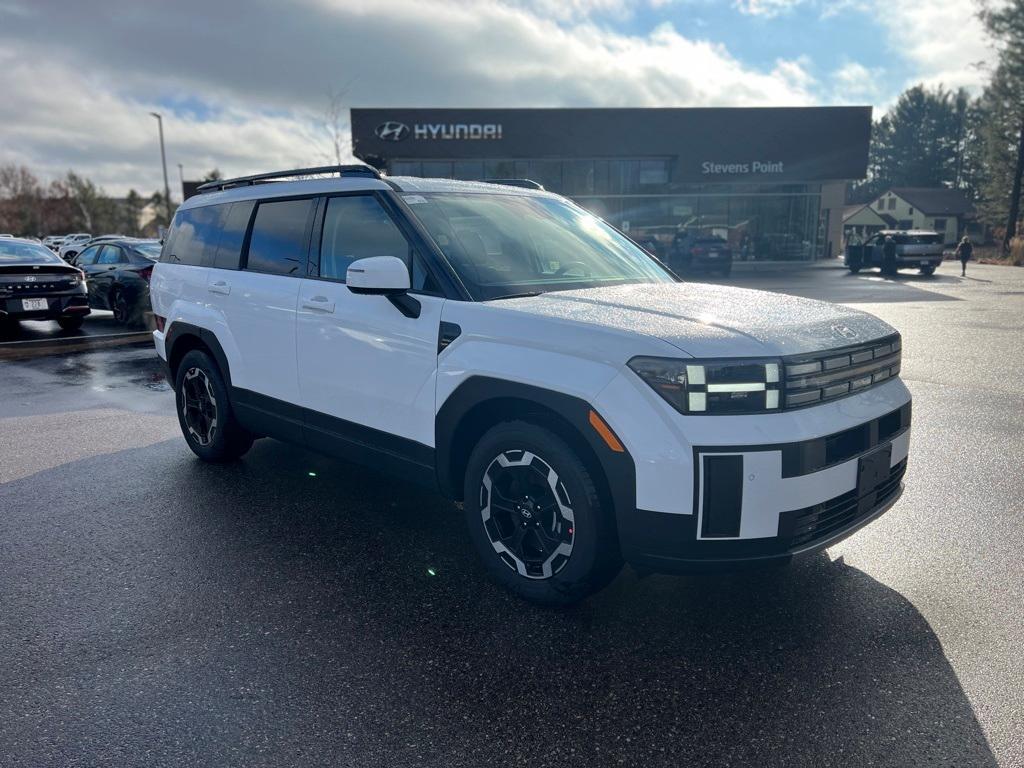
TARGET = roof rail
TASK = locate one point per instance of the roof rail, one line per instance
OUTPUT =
(243, 181)
(524, 183)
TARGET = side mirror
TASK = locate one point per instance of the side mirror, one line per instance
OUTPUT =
(381, 275)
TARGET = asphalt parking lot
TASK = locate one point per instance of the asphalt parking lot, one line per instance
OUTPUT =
(291, 610)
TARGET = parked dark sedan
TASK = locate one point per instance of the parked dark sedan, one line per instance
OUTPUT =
(699, 252)
(36, 284)
(118, 273)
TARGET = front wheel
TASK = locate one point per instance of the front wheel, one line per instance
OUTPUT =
(204, 411)
(536, 518)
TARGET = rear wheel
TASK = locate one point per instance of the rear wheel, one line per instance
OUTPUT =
(204, 410)
(854, 268)
(70, 323)
(929, 270)
(536, 518)
(124, 312)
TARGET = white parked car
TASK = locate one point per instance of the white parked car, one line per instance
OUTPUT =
(73, 244)
(504, 346)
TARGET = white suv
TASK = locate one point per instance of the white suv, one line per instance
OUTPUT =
(504, 346)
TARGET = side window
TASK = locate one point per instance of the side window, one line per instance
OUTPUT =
(355, 228)
(194, 236)
(111, 254)
(88, 256)
(232, 235)
(278, 241)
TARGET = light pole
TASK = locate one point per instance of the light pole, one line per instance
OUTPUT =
(163, 160)
(181, 178)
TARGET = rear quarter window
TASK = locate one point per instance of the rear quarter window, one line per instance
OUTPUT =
(194, 236)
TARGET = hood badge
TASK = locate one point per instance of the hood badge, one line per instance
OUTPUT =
(844, 332)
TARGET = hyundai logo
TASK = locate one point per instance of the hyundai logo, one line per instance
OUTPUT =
(842, 330)
(392, 131)
(30, 278)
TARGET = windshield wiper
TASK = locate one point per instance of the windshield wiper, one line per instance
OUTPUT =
(524, 295)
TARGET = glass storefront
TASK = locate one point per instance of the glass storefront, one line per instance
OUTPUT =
(773, 222)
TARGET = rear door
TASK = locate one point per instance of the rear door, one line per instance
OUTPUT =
(366, 369)
(259, 302)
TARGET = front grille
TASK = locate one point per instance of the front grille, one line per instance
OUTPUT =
(802, 526)
(812, 379)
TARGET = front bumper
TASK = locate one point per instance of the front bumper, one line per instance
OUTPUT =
(674, 543)
(723, 491)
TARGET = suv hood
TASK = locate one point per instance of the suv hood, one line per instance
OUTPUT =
(705, 320)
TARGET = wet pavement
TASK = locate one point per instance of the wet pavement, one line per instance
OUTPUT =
(288, 609)
(33, 338)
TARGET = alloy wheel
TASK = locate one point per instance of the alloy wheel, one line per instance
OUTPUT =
(120, 307)
(527, 514)
(199, 406)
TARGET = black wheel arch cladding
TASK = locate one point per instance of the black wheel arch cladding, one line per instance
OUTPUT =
(480, 402)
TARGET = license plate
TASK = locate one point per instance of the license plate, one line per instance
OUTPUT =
(713, 255)
(33, 305)
(872, 471)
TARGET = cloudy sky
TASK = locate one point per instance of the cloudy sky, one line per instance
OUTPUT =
(243, 86)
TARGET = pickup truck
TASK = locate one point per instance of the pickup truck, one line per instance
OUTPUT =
(914, 248)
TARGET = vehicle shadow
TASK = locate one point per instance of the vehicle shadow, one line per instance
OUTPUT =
(288, 609)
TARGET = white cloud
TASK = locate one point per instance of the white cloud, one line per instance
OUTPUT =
(767, 8)
(242, 90)
(853, 83)
(943, 39)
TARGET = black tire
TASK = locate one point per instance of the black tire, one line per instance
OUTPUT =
(124, 312)
(70, 323)
(210, 428)
(929, 270)
(854, 269)
(584, 552)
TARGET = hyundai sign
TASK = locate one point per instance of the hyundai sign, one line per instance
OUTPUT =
(779, 144)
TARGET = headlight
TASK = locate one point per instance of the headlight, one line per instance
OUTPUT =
(713, 386)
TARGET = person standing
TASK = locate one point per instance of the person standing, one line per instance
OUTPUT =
(889, 256)
(963, 252)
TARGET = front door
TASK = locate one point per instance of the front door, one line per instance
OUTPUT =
(366, 370)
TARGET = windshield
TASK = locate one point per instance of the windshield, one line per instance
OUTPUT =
(507, 245)
(149, 250)
(19, 252)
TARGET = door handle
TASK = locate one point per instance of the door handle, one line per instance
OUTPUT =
(220, 286)
(318, 303)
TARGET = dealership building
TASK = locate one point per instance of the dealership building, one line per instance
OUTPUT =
(771, 181)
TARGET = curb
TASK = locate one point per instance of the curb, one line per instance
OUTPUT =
(13, 350)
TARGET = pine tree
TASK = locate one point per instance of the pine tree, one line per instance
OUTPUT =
(1003, 133)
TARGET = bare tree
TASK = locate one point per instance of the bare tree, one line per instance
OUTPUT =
(335, 126)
